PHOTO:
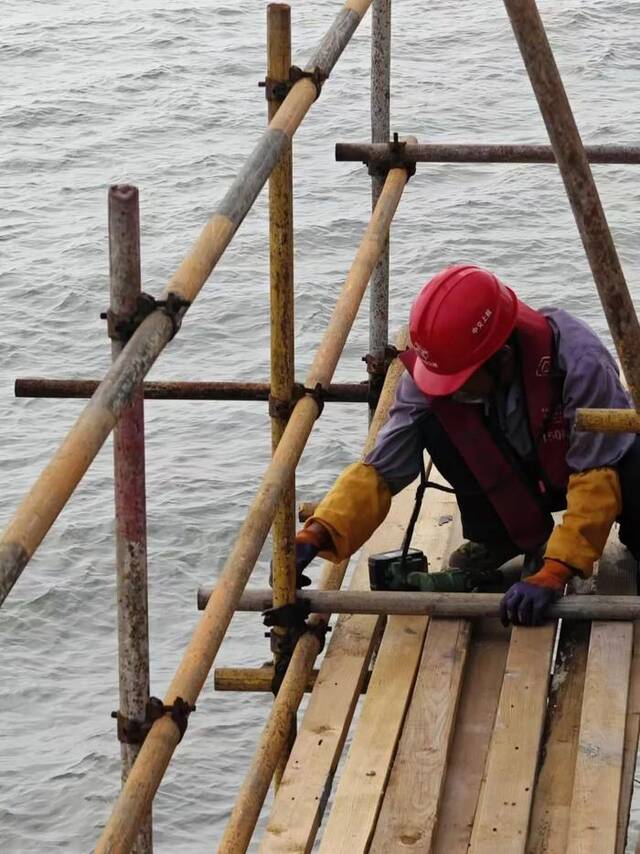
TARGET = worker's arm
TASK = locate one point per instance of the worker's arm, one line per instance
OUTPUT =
(593, 503)
(361, 496)
(594, 497)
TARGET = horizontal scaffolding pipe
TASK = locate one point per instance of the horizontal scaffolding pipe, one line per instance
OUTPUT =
(51, 491)
(454, 605)
(258, 679)
(161, 741)
(41, 387)
(382, 154)
(608, 420)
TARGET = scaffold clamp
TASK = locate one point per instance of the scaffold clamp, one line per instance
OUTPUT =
(293, 617)
(394, 158)
(133, 731)
(121, 327)
(277, 90)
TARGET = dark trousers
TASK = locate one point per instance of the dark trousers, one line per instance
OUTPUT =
(480, 521)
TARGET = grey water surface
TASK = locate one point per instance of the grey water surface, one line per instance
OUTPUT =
(164, 95)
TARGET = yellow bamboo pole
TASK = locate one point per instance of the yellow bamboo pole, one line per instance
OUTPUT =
(251, 797)
(608, 420)
(51, 491)
(255, 679)
(282, 331)
(144, 779)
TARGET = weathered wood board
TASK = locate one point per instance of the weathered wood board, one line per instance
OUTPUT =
(410, 807)
(593, 823)
(549, 826)
(474, 726)
(358, 796)
(502, 817)
(305, 785)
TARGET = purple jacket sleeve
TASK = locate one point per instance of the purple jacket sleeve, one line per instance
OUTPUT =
(396, 455)
(591, 380)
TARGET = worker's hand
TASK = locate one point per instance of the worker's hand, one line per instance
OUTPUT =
(309, 541)
(526, 602)
(305, 553)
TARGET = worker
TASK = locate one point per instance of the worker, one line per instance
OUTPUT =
(490, 392)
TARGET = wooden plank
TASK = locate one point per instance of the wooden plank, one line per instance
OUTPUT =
(302, 796)
(550, 814)
(617, 575)
(362, 783)
(503, 812)
(409, 811)
(630, 753)
(594, 808)
(474, 725)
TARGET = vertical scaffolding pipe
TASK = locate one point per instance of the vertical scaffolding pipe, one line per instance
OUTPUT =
(380, 132)
(580, 187)
(129, 484)
(282, 328)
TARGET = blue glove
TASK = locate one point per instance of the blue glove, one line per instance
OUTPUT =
(305, 553)
(526, 604)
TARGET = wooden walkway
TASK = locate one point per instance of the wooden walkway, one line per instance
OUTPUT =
(470, 737)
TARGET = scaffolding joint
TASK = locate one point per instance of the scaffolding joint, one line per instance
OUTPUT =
(134, 731)
(394, 158)
(274, 89)
(293, 618)
(277, 90)
(316, 75)
(281, 408)
(379, 367)
(121, 327)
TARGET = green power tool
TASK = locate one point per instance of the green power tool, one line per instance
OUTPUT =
(408, 569)
(389, 571)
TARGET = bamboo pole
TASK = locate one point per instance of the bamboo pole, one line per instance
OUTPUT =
(250, 799)
(200, 654)
(56, 484)
(580, 186)
(608, 420)
(130, 497)
(282, 340)
(41, 387)
(257, 679)
(380, 131)
(381, 154)
(453, 605)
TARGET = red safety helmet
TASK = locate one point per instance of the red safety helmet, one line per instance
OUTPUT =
(460, 318)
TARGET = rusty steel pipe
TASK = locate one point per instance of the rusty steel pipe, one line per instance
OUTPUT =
(250, 799)
(40, 508)
(180, 390)
(444, 605)
(380, 130)
(580, 186)
(381, 154)
(137, 795)
(129, 492)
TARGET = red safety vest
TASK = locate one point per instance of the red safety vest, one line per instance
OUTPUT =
(505, 486)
